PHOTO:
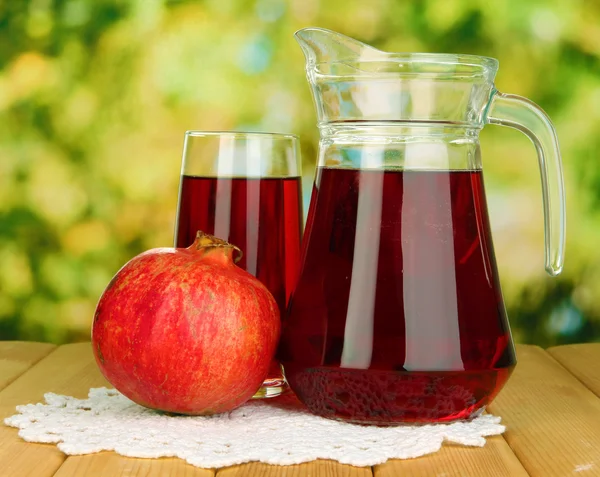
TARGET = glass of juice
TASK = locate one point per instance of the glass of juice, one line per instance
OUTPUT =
(246, 188)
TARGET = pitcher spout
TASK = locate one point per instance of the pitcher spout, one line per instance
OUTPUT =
(320, 45)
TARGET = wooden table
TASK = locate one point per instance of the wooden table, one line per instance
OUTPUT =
(551, 407)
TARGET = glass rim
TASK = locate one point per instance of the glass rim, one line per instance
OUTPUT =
(241, 134)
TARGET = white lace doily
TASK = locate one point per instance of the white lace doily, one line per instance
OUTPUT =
(277, 431)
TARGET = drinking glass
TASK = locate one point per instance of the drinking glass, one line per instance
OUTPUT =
(245, 188)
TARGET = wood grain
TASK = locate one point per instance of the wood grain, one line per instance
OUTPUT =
(552, 419)
(16, 357)
(496, 459)
(582, 361)
(66, 370)
(113, 465)
(318, 468)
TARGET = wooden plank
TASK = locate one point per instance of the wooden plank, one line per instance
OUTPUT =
(113, 465)
(66, 370)
(552, 419)
(16, 357)
(496, 459)
(318, 468)
(70, 370)
(582, 361)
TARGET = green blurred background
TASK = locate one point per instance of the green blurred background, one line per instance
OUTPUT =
(95, 96)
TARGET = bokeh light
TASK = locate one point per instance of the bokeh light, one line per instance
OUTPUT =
(95, 96)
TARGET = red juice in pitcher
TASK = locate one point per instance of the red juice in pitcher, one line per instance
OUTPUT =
(261, 216)
(397, 315)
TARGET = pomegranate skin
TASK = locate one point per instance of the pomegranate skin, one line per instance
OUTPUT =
(186, 330)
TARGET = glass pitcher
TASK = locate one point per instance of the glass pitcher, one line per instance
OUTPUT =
(398, 315)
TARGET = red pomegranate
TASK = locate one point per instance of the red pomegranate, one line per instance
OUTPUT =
(186, 330)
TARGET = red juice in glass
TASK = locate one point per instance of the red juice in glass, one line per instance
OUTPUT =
(261, 216)
(397, 315)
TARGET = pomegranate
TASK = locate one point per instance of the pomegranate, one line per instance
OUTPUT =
(185, 330)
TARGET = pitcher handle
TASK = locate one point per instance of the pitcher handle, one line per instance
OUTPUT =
(522, 114)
